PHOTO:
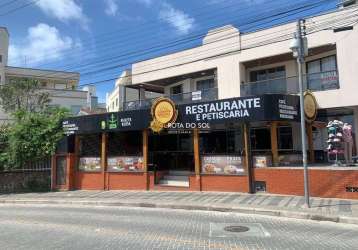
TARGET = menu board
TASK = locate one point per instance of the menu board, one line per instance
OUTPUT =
(222, 164)
(90, 164)
(125, 164)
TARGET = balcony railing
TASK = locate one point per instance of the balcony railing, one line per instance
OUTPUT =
(315, 82)
(189, 97)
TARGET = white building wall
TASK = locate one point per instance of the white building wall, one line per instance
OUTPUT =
(230, 72)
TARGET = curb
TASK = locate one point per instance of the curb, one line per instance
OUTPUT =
(236, 209)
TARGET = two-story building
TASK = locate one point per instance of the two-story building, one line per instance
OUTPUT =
(231, 120)
(61, 86)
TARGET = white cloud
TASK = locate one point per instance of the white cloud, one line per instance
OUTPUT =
(111, 7)
(42, 44)
(64, 10)
(181, 21)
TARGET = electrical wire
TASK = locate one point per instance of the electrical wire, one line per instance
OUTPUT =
(19, 8)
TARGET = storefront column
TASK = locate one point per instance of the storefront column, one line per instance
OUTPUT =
(104, 160)
(76, 160)
(196, 152)
(145, 150)
(145, 157)
(196, 148)
(247, 162)
(310, 142)
(274, 144)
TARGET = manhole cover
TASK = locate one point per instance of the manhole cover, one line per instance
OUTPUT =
(236, 229)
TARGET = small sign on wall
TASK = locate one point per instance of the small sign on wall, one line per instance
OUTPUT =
(196, 95)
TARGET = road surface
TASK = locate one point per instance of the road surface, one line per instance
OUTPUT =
(81, 227)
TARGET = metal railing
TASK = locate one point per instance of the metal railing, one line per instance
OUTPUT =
(289, 85)
(189, 97)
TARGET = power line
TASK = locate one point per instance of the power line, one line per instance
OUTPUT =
(201, 35)
(19, 8)
(117, 66)
(8, 3)
(282, 38)
(147, 29)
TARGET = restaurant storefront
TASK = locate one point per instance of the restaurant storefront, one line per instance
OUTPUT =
(218, 145)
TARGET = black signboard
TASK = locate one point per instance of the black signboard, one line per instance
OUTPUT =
(272, 107)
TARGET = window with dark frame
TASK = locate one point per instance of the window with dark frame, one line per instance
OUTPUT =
(176, 89)
(125, 143)
(267, 74)
(260, 139)
(205, 84)
(322, 73)
(90, 145)
(221, 142)
(285, 139)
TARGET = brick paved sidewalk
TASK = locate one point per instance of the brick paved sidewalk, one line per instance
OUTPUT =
(337, 210)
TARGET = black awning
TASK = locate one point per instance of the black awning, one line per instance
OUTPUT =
(270, 107)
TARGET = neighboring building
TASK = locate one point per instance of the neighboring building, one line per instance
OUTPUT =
(236, 113)
(62, 86)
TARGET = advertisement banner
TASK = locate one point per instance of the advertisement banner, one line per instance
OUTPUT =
(125, 164)
(201, 115)
(90, 164)
(222, 164)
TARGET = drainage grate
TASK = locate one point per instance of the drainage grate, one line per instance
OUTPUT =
(236, 229)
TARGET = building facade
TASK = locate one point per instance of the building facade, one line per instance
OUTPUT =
(230, 113)
(61, 86)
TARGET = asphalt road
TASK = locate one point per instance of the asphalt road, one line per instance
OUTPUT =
(79, 227)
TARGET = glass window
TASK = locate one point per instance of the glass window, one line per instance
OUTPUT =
(329, 63)
(205, 84)
(125, 144)
(221, 142)
(75, 109)
(266, 74)
(285, 141)
(176, 90)
(322, 74)
(90, 145)
(260, 139)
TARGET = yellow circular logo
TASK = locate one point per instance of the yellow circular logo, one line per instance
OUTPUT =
(163, 112)
(310, 106)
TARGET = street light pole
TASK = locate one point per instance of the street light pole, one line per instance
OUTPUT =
(300, 61)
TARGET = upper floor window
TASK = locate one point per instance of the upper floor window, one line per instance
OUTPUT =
(0, 58)
(267, 74)
(205, 84)
(176, 90)
(322, 74)
(267, 81)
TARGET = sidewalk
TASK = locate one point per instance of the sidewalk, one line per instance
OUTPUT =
(336, 210)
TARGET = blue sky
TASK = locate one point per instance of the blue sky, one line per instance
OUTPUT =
(100, 38)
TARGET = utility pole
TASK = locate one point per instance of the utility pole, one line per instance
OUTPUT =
(299, 48)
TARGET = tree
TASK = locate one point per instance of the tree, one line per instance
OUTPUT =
(23, 94)
(4, 144)
(34, 135)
